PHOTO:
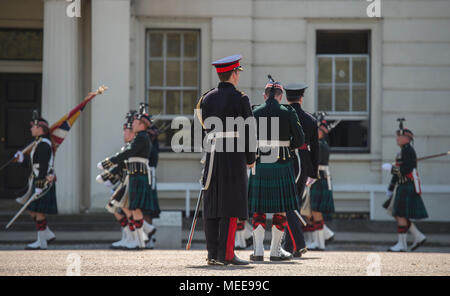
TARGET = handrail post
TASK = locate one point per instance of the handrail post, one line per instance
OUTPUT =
(188, 202)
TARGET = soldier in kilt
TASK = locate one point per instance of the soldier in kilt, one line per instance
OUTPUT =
(321, 195)
(225, 180)
(111, 179)
(41, 160)
(153, 133)
(135, 158)
(405, 194)
(272, 189)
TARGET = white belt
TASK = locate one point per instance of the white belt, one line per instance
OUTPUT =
(324, 168)
(213, 136)
(273, 143)
(221, 135)
(144, 161)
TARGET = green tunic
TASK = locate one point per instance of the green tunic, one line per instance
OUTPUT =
(272, 189)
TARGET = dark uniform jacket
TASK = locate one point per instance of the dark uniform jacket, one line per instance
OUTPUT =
(324, 154)
(40, 161)
(140, 147)
(227, 192)
(154, 153)
(290, 128)
(119, 171)
(309, 159)
(406, 161)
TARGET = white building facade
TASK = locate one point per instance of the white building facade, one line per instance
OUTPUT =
(367, 71)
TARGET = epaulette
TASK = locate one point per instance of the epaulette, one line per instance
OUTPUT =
(289, 107)
(255, 106)
(242, 93)
(197, 108)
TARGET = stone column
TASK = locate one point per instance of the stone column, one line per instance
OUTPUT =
(111, 67)
(60, 93)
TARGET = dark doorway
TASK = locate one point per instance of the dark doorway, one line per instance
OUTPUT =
(19, 95)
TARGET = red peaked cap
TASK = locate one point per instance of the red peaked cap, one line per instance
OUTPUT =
(228, 64)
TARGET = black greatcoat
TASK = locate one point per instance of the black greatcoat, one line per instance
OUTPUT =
(227, 192)
(309, 159)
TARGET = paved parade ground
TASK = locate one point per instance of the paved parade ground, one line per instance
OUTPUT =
(94, 261)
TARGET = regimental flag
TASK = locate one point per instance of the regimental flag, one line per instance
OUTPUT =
(60, 129)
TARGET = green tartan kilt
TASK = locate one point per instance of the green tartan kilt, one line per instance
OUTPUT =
(272, 189)
(154, 204)
(46, 204)
(321, 197)
(139, 193)
(408, 203)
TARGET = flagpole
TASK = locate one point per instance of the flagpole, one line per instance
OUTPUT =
(56, 125)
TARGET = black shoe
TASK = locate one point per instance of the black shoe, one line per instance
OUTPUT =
(281, 258)
(418, 244)
(256, 258)
(297, 254)
(211, 262)
(330, 239)
(235, 261)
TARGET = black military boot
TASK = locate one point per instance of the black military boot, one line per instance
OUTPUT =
(299, 253)
(236, 261)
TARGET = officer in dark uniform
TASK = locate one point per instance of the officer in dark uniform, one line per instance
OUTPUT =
(41, 160)
(309, 163)
(138, 169)
(225, 190)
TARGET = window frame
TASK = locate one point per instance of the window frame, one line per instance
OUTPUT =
(350, 113)
(374, 26)
(164, 59)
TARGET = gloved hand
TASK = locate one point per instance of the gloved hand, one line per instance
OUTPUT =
(395, 170)
(310, 181)
(38, 191)
(387, 167)
(100, 166)
(99, 179)
(108, 184)
(389, 193)
(19, 156)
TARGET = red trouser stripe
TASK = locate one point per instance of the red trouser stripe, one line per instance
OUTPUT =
(294, 246)
(229, 252)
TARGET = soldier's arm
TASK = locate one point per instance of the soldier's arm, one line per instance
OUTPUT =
(250, 131)
(297, 135)
(314, 146)
(41, 159)
(136, 145)
(409, 160)
(393, 182)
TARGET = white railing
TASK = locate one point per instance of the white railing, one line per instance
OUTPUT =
(338, 188)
